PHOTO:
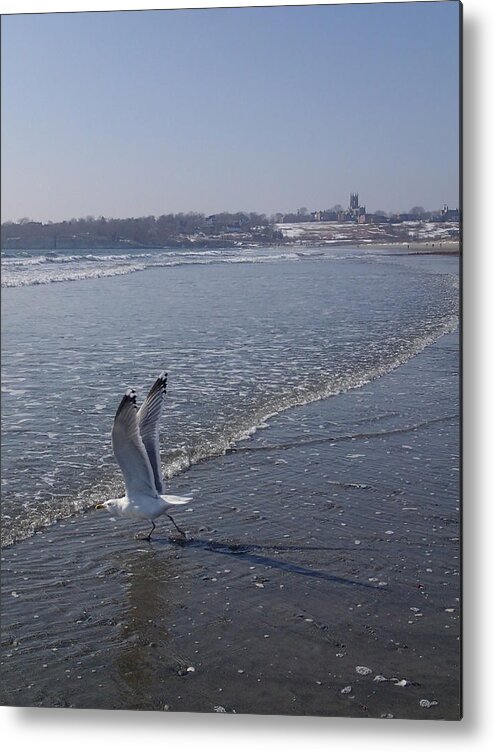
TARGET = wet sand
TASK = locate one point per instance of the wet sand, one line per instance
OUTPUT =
(422, 247)
(415, 248)
(321, 574)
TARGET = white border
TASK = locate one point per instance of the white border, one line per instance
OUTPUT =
(125, 730)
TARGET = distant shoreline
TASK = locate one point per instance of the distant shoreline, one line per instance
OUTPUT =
(449, 247)
(417, 248)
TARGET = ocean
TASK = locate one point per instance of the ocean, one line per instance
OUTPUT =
(307, 388)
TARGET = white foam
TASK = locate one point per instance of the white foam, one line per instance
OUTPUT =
(42, 269)
(184, 458)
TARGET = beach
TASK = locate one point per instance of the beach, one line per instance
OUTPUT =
(411, 235)
(446, 247)
(321, 571)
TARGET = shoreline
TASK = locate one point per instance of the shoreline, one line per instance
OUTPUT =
(412, 247)
(428, 248)
(419, 248)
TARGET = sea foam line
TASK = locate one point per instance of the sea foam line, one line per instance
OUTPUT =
(43, 270)
(274, 407)
(179, 459)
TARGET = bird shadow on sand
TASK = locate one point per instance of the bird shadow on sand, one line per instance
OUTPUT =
(247, 552)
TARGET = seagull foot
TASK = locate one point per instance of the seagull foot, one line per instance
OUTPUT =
(142, 537)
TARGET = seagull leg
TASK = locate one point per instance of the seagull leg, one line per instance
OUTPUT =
(147, 537)
(177, 527)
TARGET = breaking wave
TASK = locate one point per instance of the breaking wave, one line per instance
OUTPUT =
(26, 270)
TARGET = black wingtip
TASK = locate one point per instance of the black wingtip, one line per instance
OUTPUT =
(129, 396)
(163, 377)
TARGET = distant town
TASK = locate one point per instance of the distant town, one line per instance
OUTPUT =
(357, 213)
(335, 225)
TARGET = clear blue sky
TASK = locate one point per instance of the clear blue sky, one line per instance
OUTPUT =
(258, 109)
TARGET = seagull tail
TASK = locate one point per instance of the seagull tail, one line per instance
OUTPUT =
(176, 499)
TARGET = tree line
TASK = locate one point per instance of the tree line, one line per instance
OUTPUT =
(150, 231)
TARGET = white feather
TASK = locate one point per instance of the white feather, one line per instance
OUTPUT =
(135, 440)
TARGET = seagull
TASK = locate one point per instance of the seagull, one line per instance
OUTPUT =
(135, 440)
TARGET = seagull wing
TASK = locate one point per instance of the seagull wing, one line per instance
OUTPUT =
(129, 449)
(148, 419)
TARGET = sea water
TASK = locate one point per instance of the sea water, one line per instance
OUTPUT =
(245, 334)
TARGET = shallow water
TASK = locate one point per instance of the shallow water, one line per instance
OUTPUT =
(241, 341)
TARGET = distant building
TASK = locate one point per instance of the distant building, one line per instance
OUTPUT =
(324, 216)
(450, 215)
(355, 213)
